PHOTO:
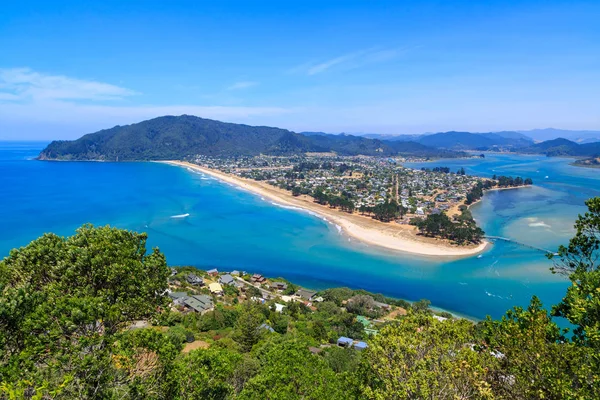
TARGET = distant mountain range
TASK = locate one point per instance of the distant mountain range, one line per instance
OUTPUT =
(476, 141)
(178, 137)
(564, 147)
(582, 143)
(461, 140)
(574, 136)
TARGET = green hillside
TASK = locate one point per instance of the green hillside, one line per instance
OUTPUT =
(90, 317)
(179, 137)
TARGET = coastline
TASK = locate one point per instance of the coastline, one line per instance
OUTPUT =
(590, 166)
(389, 236)
(496, 189)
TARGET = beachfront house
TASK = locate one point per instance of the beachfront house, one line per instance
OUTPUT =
(345, 342)
(257, 278)
(199, 303)
(212, 272)
(195, 280)
(278, 286)
(215, 288)
(350, 343)
(178, 297)
(226, 279)
(360, 345)
(279, 307)
(305, 294)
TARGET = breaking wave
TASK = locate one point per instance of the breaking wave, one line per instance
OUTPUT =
(314, 214)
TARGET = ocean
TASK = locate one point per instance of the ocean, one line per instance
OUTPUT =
(197, 220)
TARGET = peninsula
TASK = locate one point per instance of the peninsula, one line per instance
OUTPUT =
(389, 235)
(354, 182)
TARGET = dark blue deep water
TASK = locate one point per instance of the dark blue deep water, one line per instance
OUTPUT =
(231, 229)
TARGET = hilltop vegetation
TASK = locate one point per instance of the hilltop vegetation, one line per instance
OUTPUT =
(185, 136)
(67, 306)
(172, 137)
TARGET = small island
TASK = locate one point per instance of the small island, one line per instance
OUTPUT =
(593, 162)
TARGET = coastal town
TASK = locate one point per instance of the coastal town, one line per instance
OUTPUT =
(408, 204)
(358, 183)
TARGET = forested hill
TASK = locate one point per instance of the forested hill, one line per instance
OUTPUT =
(177, 137)
(564, 147)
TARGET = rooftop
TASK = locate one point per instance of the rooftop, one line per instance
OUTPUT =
(215, 287)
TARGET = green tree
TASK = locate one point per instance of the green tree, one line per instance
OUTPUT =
(248, 331)
(64, 301)
(535, 360)
(421, 358)
(342, 359)
(289, 371)
(580, 260)
(421, 306)
(206, 374)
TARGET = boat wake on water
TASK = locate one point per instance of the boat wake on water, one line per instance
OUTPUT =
(498, 296)
(180, 216)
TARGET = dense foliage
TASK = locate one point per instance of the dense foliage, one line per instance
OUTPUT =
(64, 303)
(172, 137)
(67, 306)
(501, 182)
(462, 230)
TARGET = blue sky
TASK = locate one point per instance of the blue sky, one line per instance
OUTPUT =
(69, 68)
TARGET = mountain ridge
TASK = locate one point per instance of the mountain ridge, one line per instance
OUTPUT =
(178, 137)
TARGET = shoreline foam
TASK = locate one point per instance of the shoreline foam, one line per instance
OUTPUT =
(390, 236)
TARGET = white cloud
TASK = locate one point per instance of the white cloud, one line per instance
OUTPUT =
(349, 61)
(242, 85)
(70, 120)
(26, 84)
(324, 66)
(38, 105)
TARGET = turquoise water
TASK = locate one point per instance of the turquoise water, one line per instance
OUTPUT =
(231, 229)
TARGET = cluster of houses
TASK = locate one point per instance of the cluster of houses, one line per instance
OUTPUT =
(366, 181)
(269, 289)
(426, 192)
(215, 288)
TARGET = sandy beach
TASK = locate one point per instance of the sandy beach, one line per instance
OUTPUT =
(390, 236)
